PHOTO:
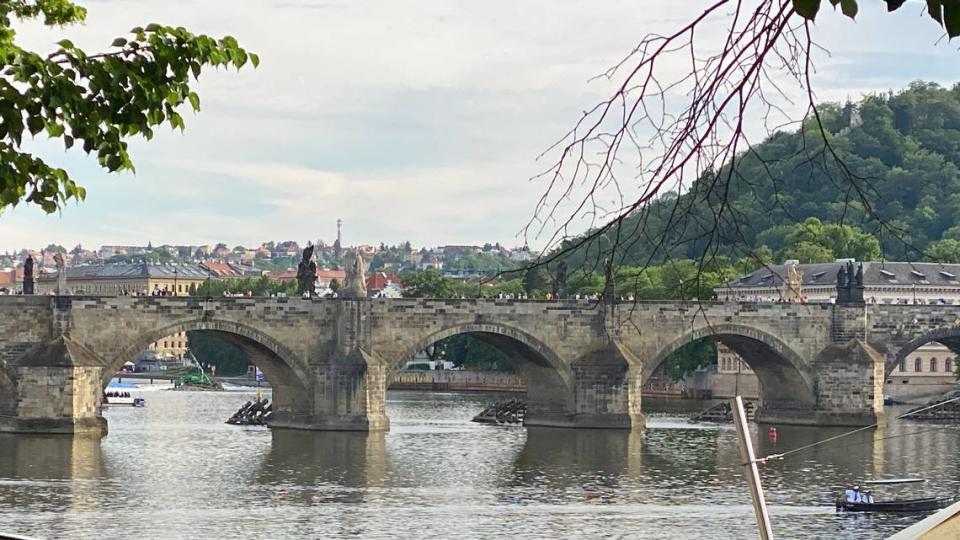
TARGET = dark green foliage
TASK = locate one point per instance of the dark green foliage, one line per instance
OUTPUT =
(689, 358)
(94, 101)
(209, 348)
(469, 352)
(426, 284)
(431, 284)
(537, 282)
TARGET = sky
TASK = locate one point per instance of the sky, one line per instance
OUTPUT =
(417, 120)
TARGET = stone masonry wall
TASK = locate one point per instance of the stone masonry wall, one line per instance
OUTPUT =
(25, 321)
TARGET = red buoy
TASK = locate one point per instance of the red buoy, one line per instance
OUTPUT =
(772, 434)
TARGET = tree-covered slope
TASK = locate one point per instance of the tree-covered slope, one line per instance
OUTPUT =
(902, 151)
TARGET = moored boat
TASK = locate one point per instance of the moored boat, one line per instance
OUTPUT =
(904, 505)
(123, 398)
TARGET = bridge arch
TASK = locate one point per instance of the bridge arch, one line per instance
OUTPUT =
(948, 336)
(550, 381)
(287, 373)
(784, 376)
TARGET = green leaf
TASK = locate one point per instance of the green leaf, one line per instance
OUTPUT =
(194, 101)
(55, 130)
(255, 59)
(807, 8)
(893, 5)
(849, 8)
(119, 42)
(951, 18)
(114, 162)
(65, 43)
(35, 124)
(935, 9)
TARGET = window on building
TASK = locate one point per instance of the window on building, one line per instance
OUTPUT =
(918, 365)
(165, 346)
(902, 366)
(933, 364)
(948, 365)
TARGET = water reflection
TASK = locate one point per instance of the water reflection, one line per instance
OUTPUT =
(335, 466)
(50, 457)
(175, 470)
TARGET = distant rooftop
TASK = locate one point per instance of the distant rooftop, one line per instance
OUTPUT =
(875, 274)
(130, 271)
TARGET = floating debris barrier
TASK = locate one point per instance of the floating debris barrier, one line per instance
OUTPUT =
(945, 408)
(253, 413)
(721, 412)
(504, 412)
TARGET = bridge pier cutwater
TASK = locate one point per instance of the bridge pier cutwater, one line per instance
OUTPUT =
(330, 361)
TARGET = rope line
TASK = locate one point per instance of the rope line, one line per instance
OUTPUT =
(782, 455)
(818, 443)
(935, 405)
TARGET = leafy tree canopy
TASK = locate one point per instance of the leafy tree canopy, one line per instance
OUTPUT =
(97, 101)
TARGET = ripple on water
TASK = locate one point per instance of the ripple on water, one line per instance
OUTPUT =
(174, 469)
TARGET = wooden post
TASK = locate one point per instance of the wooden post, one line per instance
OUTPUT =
(750, 464)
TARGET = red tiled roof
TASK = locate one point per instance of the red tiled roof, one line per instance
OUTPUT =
(220, 269)
(285, 275)
(340, 275)
(8, 277)
(379, 280)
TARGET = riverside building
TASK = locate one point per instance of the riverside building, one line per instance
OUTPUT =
(126, 279)
(927, 371)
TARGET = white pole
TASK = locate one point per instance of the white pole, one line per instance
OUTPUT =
(750, 464)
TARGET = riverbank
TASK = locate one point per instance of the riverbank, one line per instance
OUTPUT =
(459, 381)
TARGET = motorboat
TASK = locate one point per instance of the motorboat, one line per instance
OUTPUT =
(123, 398)
(866, 502)
(925, 504)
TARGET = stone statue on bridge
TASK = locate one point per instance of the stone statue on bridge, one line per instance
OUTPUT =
(355, 285)
(61, 273)
(609, 290)
(28, 275)
(856, 286)
(843, 292)
(307, 273)
(850, 284)
(560, 282)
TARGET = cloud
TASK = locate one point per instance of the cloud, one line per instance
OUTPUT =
(412, 121)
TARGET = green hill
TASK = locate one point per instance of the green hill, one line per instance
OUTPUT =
(903, 150)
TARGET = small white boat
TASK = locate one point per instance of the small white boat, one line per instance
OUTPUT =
(119, 399)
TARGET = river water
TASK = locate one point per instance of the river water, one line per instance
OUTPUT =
(174, 469)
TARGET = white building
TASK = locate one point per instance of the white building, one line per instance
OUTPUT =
(926, 371)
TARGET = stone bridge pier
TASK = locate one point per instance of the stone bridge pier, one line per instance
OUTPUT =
(330, 361)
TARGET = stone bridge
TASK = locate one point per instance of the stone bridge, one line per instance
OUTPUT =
(330, 361)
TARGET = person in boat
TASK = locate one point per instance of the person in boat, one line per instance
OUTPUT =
(866, 497)
(852, 495)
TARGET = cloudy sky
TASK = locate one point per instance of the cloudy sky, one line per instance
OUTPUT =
(414, 120)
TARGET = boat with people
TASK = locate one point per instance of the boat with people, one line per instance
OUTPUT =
(123, 398)
(856, 500)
